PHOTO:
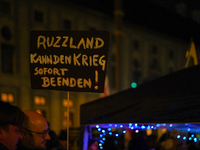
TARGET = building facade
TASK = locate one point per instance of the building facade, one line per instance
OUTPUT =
(144, 55)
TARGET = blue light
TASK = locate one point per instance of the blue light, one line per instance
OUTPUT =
(143, 127)
(103, 131)
(101, 135)
(124, 131)
(170, 125)
(116, 135)
(195, 139)
(133, 84)
(121, 126)
(136, 124)
(178, 136)
(115, 125)
(130, 124)
(184, 138)
(101, 147)
(100, 144)
(97, 126)
(99, 129)
(110, 133)
(188, 129)
(192, 135)
(190, 138)
(109, 129)
(103, 139)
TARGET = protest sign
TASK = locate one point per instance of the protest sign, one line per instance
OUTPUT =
(69, 60)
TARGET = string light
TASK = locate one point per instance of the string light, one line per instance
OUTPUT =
(106, 130)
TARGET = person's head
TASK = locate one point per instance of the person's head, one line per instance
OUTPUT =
(35, 131)
(93, 144)
(11, 119)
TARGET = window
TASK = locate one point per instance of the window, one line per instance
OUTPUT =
(38, 16)
(39, 100)
(6, 33)
(154, 64)
(136, 45)
(67, 24)
(5, 7)
(136, 64)
(92, 28)
(66, 103)
(154, 50)
(65, 122)
(7, 97)
(171, 55)
(7, 58)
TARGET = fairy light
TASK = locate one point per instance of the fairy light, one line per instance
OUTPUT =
(107, 130)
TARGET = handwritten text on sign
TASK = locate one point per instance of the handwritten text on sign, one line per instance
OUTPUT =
(69, 60)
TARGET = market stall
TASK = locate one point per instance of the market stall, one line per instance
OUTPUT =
(172, 101)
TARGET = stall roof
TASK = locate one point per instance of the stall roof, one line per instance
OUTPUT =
(174, 98)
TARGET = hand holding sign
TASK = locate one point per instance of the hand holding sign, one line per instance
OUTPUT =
(69, 60)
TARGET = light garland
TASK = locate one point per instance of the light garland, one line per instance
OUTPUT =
(106, 130)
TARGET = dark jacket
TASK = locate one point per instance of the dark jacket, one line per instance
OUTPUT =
(2, 147)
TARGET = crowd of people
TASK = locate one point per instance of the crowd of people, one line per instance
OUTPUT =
(140, 141)
(26, 130)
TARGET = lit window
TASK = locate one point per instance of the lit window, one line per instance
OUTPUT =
(65, 103)
(39, 100)
(7, 97)
(65, 121)
(7, 58)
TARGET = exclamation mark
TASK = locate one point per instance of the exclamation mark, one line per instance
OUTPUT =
(96, 80)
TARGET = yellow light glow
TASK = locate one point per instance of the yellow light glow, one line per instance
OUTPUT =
(10, 98)
(37, 100)
(65, 103)
(39, 111)
(4, 97)
(42, 101)
(149, 132)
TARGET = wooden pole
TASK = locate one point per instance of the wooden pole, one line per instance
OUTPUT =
(68, 121)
